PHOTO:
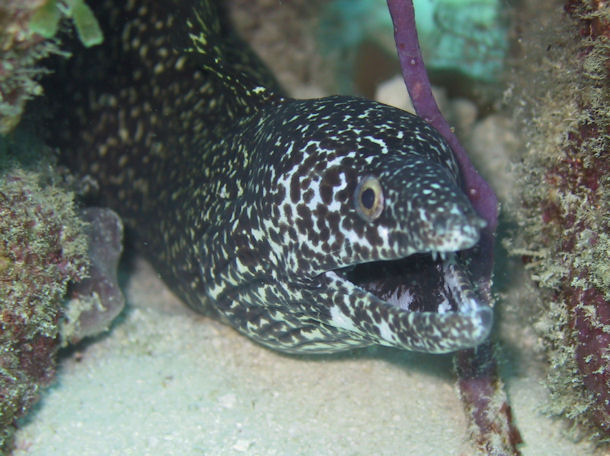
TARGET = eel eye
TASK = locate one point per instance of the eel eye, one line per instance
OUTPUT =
(368, 198)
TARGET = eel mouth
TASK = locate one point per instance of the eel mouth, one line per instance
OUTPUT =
(424, 302)
(424, 282)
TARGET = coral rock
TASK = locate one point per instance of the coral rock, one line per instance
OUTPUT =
(565, 190)
(41, 250)
(97, 300)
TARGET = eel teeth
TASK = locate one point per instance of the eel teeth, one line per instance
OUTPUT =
(439, 255)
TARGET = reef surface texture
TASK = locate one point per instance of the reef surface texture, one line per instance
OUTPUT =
(564, 182)
(41, 250)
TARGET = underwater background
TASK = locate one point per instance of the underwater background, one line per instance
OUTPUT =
(524, 85)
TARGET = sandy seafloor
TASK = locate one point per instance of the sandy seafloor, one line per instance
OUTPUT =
(166, 381)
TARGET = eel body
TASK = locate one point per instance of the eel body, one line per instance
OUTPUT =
(308, 225)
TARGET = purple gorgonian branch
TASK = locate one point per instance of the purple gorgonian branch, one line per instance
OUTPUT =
(479, 192)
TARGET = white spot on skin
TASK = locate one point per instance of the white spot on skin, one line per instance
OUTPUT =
(381, 143)
(340, 320)
(385, 331)
(383, 234)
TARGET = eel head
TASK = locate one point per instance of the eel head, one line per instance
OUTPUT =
(363, 224)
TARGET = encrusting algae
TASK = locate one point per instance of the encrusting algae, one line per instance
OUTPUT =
(564, 218)
(42, 249)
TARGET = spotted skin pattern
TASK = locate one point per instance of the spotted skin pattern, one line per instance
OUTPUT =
(246, 201)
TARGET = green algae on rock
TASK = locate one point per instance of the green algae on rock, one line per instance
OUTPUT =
(28, 35)
(45, 20)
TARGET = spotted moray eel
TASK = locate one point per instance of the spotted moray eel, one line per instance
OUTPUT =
(310, 226)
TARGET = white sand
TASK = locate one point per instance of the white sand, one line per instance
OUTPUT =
(166, 381)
